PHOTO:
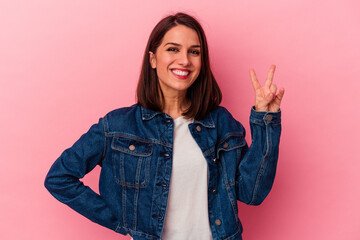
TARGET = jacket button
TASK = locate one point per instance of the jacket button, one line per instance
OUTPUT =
(215, 160)
(268, 117)
(225, 145)
(132, 147)
(198, 128)
(214, 191)
(218, 222)
(166, 155)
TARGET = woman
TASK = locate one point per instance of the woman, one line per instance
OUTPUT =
(175, 163)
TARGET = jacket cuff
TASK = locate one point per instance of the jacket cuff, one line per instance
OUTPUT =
(265, 117)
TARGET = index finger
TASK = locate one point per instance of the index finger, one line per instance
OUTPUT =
(270, 76)
(254, 80)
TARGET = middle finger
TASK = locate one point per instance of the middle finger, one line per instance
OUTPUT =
(270, 76)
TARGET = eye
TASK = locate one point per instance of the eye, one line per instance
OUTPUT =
(195, 52)
(172, 49)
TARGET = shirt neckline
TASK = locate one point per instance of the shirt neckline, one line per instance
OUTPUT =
(183, 119)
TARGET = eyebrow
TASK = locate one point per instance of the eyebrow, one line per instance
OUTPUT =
(177, 44)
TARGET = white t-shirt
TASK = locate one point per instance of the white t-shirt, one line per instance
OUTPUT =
(187, 214)
(187, 211)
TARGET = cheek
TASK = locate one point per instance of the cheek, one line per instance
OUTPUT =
(164, 61)
(197, 65)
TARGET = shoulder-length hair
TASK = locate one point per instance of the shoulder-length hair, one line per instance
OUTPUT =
(204, 94)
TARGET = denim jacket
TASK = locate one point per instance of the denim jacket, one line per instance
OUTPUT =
(134, 147)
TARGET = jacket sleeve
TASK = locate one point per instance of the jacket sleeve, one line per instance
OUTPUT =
(62, 180)
(257, 168)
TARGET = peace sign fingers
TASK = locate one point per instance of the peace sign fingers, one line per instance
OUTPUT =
(266, 97)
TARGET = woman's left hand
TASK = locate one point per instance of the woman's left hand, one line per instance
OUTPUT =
(266, 98)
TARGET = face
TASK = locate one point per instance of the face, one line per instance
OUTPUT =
(177, 60)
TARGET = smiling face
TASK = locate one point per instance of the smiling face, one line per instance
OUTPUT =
(177, 60)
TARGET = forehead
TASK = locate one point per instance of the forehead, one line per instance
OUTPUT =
(182, 35)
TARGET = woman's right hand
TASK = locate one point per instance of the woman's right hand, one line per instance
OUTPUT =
(266, 98)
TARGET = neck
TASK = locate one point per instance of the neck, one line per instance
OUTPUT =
(175, 105)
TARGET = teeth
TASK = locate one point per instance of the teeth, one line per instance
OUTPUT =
(181, 73)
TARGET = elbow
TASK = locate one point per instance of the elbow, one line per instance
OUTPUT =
(255, 202)
(251, 195)
(53, 183)
(57, 179)
(55, 188)
(259, 197)
(252, 201)
(48, 184)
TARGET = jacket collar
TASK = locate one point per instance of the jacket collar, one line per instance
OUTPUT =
(148, 114)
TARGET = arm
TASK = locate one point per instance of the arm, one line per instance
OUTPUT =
(258, 163)
(257, 168)
(62, 181)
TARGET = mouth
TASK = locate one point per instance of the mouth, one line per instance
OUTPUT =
(180, 73)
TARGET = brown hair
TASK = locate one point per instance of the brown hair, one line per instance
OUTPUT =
(204, 94)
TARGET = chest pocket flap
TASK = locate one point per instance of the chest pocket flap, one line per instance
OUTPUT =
(132, 147)
(230, 142)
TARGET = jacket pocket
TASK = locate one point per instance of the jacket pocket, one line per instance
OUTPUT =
(131, 161)
(228, 151)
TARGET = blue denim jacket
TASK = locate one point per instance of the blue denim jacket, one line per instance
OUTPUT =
(134, 146)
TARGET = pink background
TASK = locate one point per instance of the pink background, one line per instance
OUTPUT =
(64, 64)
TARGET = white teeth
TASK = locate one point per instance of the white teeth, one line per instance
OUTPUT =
(181, 73)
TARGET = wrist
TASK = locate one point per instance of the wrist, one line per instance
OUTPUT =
(259, 109)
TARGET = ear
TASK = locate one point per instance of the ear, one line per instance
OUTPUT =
(152, 59)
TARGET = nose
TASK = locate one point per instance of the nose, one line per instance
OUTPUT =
(184, 59)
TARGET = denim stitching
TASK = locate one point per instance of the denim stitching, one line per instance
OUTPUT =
(238, 155)
(146, 234)
(124, 204)
(230, 184)
(121, 167)
(124, 150)
(209, 151)
(147, 169)
(123, 182)
(225, 179)
(231, 198)
(118, 226)
(114, 166)
(138, 170)
(230, 135)
(261, 122)
(232, 147)
(211, 122)
(237, 232)
(117, 134)
(268, 140)
(136, 195)
(262, 167)
(105, 139)
(105, 127)
(146, 116)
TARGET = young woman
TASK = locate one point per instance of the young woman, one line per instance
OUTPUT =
(175, 163)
